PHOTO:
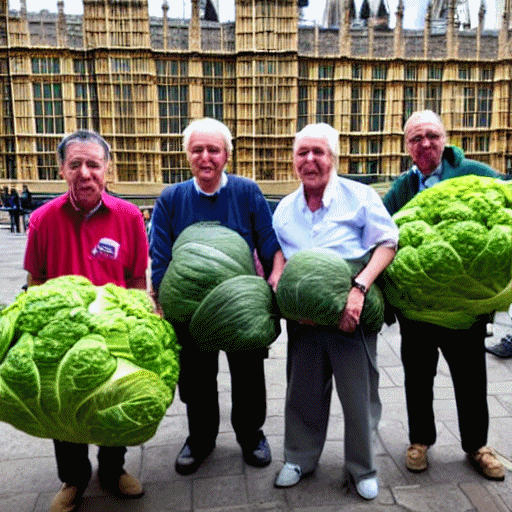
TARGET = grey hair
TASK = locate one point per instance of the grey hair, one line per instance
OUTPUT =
(84, 137)
(209, 125)
(321, 131)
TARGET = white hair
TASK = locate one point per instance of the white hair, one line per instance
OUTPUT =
(321, 131)
(208, 125)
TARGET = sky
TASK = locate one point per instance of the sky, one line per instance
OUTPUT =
(414, 12)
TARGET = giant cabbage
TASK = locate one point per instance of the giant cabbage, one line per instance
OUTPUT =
(238, 314)
(85, 363)
(315, 285)
(211, 284)
(454, 260)
(203, 255)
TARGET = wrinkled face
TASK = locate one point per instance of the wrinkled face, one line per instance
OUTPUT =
(425, 142)
(207, 156)
(313, 163)
(84, 170)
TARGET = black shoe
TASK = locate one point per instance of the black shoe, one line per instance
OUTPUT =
(258, 456)
(503, 348)
(188, 462)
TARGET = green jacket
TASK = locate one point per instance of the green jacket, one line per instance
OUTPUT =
(406, 186)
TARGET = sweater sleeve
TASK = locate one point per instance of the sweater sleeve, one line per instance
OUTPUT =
(160, 242)
(265, 238)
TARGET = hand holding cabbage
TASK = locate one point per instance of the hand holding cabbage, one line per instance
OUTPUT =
(86, 364)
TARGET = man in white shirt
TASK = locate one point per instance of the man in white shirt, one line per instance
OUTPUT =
(348, 217)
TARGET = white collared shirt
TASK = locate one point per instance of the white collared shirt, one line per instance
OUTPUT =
(223, 183)
(351, 221)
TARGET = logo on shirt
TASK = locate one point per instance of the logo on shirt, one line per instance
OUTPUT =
(107, 248)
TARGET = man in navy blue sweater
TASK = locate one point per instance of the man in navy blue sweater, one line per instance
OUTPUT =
(237, 203)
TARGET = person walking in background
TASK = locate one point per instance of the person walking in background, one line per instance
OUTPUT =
(349, 218)
(5, 196)
(237, 203)
(463, 349)
(90, 233)
(26, 206)
(13, 203)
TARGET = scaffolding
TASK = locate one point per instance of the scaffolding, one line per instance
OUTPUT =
(139, 80)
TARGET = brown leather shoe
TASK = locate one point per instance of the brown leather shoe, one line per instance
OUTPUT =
(416, 457)
(67, 499)
(126, 487)
(484, 460)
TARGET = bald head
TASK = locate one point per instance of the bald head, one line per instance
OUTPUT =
(423, 116)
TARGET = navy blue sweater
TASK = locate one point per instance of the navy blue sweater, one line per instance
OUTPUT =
(239, 205)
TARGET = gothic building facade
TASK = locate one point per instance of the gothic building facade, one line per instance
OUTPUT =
(139, 80)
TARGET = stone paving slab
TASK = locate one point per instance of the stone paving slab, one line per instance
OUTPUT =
(224, 483)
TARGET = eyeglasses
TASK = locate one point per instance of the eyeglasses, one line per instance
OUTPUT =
(431, 136)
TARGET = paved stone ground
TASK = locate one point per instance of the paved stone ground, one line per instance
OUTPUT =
(225, 484)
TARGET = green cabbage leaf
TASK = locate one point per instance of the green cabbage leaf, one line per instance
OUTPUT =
(86, 364)
(454, 260)
(238, 314)
(211, 284)
(315, 285)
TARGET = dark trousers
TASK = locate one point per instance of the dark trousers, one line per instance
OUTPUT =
(198, 390)
(74, 467)
(464, 351)
(15, 220)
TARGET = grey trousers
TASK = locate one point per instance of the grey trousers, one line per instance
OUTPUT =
(316, 355)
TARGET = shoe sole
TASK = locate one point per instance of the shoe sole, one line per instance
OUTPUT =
(481, 472)
(304, 475)
(416, 470)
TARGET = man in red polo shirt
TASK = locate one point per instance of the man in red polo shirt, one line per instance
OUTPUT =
(90, 233)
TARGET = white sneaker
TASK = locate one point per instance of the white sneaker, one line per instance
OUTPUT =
(368, 488)
(289, 475)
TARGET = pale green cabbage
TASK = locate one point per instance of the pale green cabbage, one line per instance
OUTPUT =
(454, 261)
(86, 364)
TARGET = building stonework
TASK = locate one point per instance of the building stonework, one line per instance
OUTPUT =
(139, 80)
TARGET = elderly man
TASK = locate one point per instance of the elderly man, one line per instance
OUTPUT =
(237, 203)
(347, 217)
(90, 233)
(425, 138)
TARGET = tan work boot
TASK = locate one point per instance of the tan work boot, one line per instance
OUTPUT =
(416, 457)
(126, 487)
(484, 460)
(66, 500)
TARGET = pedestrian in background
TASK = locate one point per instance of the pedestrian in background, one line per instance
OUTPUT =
(13, 203)
(26, 206)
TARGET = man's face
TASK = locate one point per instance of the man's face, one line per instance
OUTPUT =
(425, 141)
(207, 156)
(313, 163)
(84, 170)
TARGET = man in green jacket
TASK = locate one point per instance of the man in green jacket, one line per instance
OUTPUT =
(421, 342)
(425, 138)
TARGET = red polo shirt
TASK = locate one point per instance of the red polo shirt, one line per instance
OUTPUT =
(107, 246)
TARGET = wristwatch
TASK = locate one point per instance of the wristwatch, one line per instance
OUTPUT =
(360, 286)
